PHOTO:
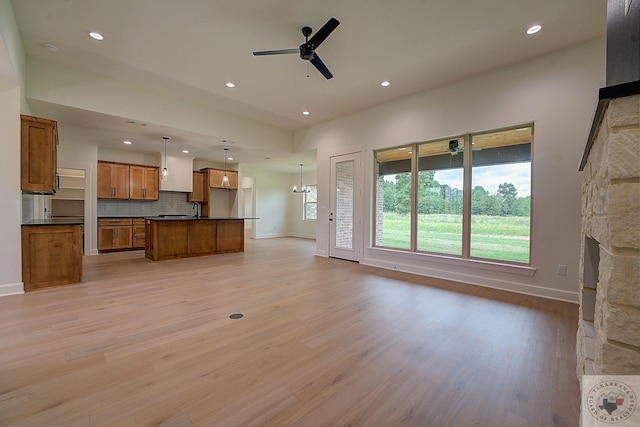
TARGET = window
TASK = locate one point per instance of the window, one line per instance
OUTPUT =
(501, 195)
(393, 198)
(421, 192)
(440, 186)
(310, 203)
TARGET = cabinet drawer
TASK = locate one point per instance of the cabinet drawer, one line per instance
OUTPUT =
(138, 222)
(114, 222)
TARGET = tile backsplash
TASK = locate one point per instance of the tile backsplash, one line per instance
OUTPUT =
(169, 202)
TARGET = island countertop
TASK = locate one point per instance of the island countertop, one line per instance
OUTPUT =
(191, 217)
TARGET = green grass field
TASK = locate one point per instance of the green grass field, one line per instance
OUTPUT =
(492, 237)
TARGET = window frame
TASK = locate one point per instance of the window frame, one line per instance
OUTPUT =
(466, 196)
(305, 202)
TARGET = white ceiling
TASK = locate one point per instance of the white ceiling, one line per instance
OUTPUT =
(192, 48)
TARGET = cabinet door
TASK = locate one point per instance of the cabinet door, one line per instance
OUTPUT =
(105, 238)
(38, 155)
(123, 238)
(233, 180)
(113, 181)
(105, 187)
(215, 178)
(143, 183)
(136, 182)
(120, 179)
(151, 184)
(198, 188)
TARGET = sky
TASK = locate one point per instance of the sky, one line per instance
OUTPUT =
(490, 177)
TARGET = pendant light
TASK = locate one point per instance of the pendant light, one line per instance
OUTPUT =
(302, 188)
(165, 171)
(225, 178)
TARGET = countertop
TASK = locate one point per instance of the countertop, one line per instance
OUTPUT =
(189, 218)
(55, 221)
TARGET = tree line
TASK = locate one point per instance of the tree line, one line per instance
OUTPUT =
(434, 198)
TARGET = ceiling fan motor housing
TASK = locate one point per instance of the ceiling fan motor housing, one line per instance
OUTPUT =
(306, 51)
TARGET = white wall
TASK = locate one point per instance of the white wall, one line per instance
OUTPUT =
(11, 105)
(272, 202)
(558, 92)
(78, 154)
(298, 226)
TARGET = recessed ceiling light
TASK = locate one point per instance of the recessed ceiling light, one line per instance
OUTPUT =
(96, 36)
(126, 142)
(534, 29)
(185, 151)
(229, 158)
(385, 83)
(305, 113)
(230, 84)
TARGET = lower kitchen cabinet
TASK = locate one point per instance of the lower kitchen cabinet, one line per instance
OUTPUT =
(115, 234)
(51, 255)
(138, 233)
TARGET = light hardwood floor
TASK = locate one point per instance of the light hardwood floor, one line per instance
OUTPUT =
(323, 342)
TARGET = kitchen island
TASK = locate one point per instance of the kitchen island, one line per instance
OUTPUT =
(170, 237)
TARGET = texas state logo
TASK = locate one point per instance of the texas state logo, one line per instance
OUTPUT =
(610, 400)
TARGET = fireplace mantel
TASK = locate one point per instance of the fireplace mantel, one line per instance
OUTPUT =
(605, 95)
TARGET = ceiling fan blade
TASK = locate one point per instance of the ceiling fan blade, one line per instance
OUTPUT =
(324, 32)
(276, 52)
(317, 62)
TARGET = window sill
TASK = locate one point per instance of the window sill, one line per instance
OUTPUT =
(521, 270)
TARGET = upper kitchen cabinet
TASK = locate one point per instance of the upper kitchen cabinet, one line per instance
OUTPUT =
(38, 157)
(197, 195)
(143, 182)
(215, 179)
(113, 180)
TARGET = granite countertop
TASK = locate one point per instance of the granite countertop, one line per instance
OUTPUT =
(55, 221)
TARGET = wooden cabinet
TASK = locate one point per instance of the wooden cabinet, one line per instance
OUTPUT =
(215, 179)
(143, 182)
(38, 155)
(170, 239)
(125, 181)
(138, 233)
(113, 180)
(51, 255)
(197, 195)
(115, 233)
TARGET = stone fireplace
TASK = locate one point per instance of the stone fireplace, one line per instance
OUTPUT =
(608, 341)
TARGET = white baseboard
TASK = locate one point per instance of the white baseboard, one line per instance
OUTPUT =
(487, 282)
(323, 253)
(303, 236)
(11, 289)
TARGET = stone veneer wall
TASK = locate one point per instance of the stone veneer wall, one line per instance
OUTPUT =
(609, 327)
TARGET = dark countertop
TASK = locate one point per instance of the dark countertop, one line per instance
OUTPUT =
(190, 218)
(124, 216)
(55, 221)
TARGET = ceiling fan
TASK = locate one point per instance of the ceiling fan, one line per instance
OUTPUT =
(307, 50)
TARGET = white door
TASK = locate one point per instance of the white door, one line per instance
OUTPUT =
(345, 211)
